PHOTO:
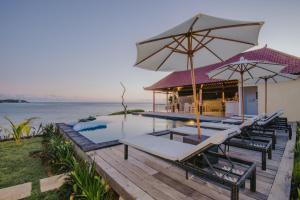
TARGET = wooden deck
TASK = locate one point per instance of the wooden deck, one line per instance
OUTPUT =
(143, 176)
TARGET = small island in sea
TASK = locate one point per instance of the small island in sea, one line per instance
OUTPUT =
(13, 101)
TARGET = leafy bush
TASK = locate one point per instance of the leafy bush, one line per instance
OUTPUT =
(87, 184)
(128, 112)
(17, 131)
(58, 151)
(84, 181)
(295, 190)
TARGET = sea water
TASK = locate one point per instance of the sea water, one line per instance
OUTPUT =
(53, 112)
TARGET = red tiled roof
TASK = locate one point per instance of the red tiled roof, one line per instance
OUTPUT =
(183, 78)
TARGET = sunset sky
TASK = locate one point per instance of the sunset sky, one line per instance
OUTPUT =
(76, 50)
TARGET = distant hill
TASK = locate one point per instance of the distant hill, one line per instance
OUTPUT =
(13, 101)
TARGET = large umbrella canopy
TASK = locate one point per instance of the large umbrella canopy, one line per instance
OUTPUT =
(275, 78)
(245, 69)
(213, 40)
(198, 41)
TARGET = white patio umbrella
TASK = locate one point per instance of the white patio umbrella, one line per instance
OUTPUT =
(275, 78)
(243, 70)
(199, 41)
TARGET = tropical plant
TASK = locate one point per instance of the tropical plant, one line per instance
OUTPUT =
(18, 130)
(83, 178)
(48, 131)
(87, 184)
(295, 190)
(38, 130)
(59, 153)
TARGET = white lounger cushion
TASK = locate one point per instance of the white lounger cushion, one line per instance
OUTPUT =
(189, 130)
(215, 139)
(217, 125)
(269, 118)
(159, 146)
(229, 120)
(173, 150)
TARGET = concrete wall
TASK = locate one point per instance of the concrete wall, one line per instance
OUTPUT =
(285, 95)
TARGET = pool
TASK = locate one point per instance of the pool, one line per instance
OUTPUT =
(119, 126)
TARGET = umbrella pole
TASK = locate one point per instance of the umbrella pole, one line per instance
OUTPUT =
(266, 91)
(196, 109)
(242, 85)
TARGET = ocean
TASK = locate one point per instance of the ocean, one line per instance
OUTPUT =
(52, 112)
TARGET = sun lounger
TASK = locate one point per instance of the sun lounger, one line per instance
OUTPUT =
(264, 126)
(274, 122)
(267, 127)
(231, 172)
(239, 140)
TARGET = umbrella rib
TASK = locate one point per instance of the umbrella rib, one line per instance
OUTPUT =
(273, 79)
(176, 50)
(257, 80)
(203, 45)
(252, 66)
(203, 38)
(169, 55)
(233, 71)
(248, 71)
(227, 39)
(156, 52)
(225, 68)
(215, 28)
(180, 43)
(192, 25)
(285, 76)
(200, 42)
(265, 69)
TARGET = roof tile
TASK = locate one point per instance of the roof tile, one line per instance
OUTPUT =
(183, 78)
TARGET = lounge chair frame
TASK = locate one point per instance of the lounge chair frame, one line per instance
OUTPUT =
(210, 171)
(281, 123)
(247, 142)
(253, 144)
(249, 173)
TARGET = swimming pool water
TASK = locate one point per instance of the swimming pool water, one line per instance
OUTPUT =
(119, 127)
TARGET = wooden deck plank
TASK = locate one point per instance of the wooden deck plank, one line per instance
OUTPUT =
(147, 182)
(206, 188)
(282, 183)
(124, 187)
(154, 178)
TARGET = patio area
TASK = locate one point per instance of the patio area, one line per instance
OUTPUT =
(143, 176)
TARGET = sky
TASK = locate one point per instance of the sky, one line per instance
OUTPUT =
(76, 50)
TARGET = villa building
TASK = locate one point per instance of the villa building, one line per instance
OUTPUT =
(221, 98)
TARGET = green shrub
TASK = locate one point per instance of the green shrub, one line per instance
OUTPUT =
(48, 131)
(86, 182)
(17, 131)
(59, 153)
(128, 112)
(296, 172)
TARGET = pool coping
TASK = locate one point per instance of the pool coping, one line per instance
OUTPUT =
(82, 142)
(87, 145)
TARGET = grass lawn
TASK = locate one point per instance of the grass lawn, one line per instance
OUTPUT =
(18, 165)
